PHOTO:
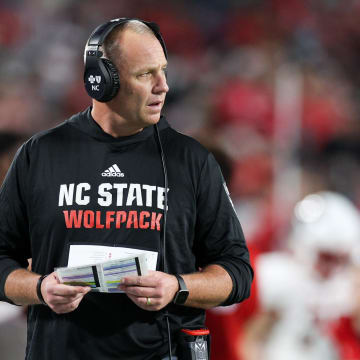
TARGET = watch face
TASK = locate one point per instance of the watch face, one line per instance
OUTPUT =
(181, 297)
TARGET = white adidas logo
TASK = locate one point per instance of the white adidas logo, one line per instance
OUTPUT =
(113, 171)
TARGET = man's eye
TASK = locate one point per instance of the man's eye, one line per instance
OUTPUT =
(145, 74)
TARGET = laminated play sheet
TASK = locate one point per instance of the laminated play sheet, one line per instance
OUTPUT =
(104, 276)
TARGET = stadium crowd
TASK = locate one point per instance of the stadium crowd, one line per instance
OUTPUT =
(272, 88)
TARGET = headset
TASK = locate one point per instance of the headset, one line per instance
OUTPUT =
(101, 77)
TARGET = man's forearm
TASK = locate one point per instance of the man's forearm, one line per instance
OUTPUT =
(20, 287)
(208, 288)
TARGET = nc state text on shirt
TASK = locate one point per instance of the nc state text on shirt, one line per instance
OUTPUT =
(121, 194)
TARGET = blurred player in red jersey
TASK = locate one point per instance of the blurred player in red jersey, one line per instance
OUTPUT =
(303, 290)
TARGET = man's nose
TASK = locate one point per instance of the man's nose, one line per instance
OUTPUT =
(161, 84)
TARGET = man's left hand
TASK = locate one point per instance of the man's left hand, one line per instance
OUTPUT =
(152, 291)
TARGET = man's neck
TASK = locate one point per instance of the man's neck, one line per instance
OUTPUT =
(112, 123)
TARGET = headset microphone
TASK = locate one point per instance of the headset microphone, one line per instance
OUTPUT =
(101, 77)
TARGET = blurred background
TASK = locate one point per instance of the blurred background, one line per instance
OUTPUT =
(272, 88)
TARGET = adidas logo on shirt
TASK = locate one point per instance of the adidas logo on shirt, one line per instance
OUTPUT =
(113, 171)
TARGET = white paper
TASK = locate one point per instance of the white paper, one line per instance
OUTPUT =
(103, 276)
(93, 254)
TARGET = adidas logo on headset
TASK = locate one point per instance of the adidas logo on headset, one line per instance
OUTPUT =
(113, 171)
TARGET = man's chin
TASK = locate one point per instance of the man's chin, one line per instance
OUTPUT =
(152, 119)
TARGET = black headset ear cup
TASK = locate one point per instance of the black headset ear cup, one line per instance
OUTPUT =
(113, 87)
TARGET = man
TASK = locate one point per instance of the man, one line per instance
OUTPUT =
(59, 193)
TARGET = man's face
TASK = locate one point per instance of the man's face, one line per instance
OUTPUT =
(143, 87)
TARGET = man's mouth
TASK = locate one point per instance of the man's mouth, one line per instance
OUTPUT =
(155, 106)
(155, 103)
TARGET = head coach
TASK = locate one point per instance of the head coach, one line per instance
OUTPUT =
(130, 181)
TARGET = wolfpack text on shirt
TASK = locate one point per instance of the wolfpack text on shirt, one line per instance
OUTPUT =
(119, 194)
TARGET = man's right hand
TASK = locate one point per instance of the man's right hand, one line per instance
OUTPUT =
(62, 298)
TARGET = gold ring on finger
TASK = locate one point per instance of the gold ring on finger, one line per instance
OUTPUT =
(148, 301)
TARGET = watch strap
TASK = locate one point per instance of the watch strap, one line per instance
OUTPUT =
(38, 289)
(182, 285)
(182, 293)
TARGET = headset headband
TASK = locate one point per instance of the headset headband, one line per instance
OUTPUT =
(99, 35)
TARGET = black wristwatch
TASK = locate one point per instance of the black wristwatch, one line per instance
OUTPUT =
(183, 293)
